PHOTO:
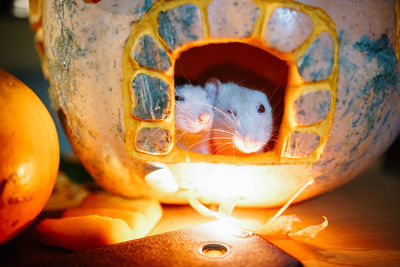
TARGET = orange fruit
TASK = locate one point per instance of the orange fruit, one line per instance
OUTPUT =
(29, 156)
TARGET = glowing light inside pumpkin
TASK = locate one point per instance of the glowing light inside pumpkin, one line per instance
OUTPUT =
(162, 180)
(217, 182)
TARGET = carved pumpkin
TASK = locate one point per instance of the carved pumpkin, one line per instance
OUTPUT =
(112, 66)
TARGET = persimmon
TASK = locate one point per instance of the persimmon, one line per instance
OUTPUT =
(29, 156)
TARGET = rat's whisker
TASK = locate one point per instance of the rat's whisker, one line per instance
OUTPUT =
(228, 146)
(220, 148)
(198, 143)
(222, 131)
(223, 113)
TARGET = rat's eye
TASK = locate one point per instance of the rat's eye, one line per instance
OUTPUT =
(179, 98)
(261, 109)
(231, 112)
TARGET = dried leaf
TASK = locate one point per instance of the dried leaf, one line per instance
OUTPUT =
(227, 205)
(280, 226)
(200, 208)
(276, 226)
(311, 231)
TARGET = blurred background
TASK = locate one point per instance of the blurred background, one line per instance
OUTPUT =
(19, 57)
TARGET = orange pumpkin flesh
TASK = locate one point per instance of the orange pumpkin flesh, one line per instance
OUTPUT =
(150, 207)
(102, 219)
(29, 156)
(83, 232)
(135, 220)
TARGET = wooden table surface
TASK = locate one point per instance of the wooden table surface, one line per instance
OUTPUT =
(364, 226)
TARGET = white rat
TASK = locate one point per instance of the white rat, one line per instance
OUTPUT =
(194, 117)
(243, 120)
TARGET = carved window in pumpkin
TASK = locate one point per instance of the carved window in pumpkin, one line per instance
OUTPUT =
(300, 48)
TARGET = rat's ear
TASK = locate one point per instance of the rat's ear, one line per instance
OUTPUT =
(212, 86)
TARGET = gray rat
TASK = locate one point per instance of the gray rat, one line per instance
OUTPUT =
(194, 117)
(243, 121)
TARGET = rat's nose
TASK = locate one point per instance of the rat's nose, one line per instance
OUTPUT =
(247, 144)
(251, 144)
(204, 118)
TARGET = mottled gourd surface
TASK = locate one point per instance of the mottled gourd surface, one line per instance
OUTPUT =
(330, 74)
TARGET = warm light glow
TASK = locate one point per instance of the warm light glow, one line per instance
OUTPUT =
(277, 225)
(256, 185)
(229, 225)
(225, 222)
(162, 180)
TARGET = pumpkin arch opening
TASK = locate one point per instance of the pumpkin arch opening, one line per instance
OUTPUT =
(158, 58)
(243, 64)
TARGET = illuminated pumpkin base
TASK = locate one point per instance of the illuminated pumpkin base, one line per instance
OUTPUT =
(112, 66)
